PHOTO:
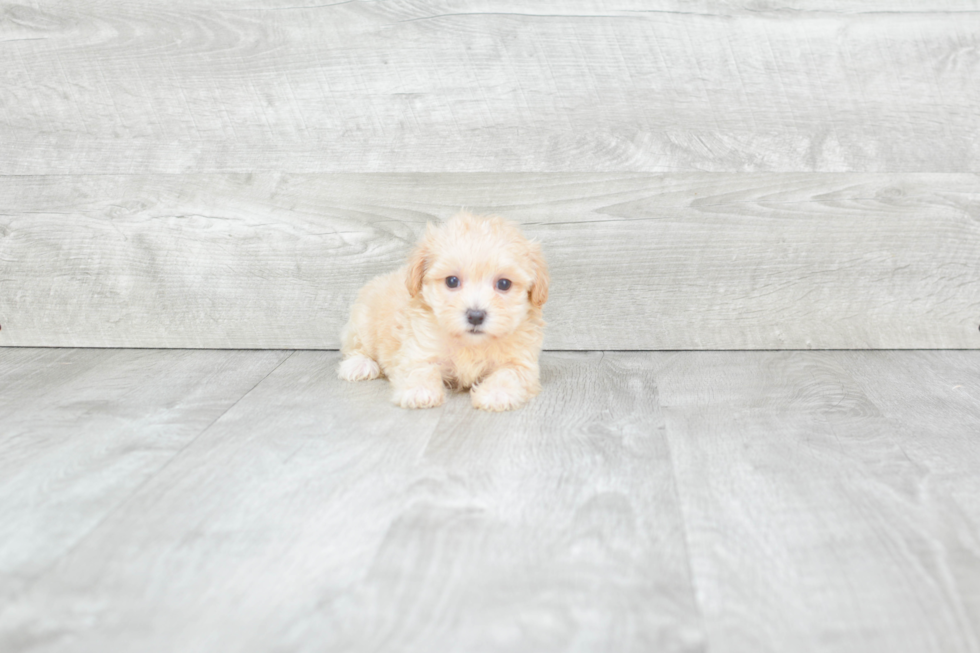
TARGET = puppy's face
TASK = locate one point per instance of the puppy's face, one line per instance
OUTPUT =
(480, 276)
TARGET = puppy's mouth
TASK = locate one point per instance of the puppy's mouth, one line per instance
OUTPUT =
(477, 331)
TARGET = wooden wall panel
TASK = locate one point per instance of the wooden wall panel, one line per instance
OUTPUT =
(226, 173)
(639, 261)
(488, 86)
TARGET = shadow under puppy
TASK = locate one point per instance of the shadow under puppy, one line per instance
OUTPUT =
(464, 313)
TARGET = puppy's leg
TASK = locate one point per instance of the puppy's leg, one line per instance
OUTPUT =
(418, 387)
(358, 367)
(506, 388)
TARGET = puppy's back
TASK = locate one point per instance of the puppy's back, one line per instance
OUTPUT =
(373, 329)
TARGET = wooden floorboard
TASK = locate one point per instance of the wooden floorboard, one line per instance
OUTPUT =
(723, 501)
(316, 516)
(638, 261)
(81, 430)
(818, 517)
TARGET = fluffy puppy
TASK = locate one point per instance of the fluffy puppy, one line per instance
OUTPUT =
(464, 313)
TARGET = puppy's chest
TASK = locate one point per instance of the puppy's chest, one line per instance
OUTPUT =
(462, 372)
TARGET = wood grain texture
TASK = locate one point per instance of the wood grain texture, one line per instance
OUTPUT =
(639, 261)
(488, 85)
(81, 430)
(645, 501)
(945, 456)
(819, 518)
(314, 515)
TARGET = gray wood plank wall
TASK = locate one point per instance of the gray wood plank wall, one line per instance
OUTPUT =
(702, 175)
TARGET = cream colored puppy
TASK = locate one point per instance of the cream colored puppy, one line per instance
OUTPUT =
(465, 313)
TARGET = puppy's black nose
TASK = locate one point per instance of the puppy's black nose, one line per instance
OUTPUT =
(475, 317)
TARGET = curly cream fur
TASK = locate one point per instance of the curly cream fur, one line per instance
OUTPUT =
(412, 328)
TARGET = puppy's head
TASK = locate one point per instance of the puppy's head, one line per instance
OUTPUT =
(480, 276)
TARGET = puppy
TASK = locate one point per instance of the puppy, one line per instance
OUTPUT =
(464, 313)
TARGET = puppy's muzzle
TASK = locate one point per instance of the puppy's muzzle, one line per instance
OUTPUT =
(475, 317)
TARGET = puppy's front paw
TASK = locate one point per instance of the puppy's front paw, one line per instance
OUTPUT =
(420, 397)
(358, 368)
(497, 396)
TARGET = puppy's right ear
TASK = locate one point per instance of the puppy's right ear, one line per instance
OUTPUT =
(418, 261)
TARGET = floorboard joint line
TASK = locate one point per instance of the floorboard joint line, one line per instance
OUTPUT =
(682, 514)
(216, 419)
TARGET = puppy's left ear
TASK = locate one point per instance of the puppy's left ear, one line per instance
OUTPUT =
(539, 287)
(417, 262)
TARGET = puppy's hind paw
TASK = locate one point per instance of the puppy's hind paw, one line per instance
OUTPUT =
(358, 368)
(420, 397)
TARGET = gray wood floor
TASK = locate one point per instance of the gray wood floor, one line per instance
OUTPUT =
(249, 501)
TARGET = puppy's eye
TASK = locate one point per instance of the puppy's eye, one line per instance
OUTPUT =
(452, 282)
(503, 284)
